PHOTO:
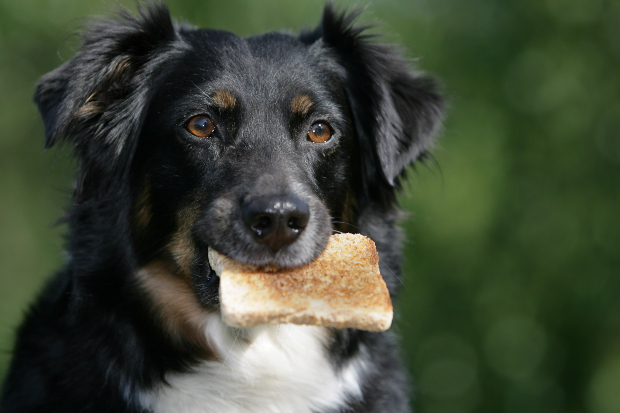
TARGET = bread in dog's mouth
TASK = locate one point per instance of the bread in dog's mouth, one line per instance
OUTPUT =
(342, 288)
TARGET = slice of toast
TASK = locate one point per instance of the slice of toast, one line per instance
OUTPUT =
(342, 288)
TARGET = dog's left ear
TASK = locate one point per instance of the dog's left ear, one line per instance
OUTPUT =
(396, 110)
(96, 100)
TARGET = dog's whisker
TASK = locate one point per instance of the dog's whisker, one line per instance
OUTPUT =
(394, 274)
(346, 223)
(232, 347)
(275, 340)
(201, 91)
(146, 247)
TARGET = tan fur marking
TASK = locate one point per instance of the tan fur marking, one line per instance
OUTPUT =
(180, 311)
(96, 104)
(224, 100)
(348, 214)
(301, 104)
(119, 68)
(90, 108)
(181, 245)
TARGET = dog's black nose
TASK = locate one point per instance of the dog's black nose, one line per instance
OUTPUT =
(276, 220)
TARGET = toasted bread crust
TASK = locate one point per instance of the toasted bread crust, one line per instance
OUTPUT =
(342, 288)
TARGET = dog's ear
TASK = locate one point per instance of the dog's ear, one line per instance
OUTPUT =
(95, 100)
(396, 109)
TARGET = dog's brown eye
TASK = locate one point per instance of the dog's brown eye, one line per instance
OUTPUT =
(320, 132)
(200, 126)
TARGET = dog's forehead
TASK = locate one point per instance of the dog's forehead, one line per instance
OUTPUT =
(262, 65)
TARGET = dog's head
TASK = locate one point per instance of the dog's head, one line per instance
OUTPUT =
(258, 147)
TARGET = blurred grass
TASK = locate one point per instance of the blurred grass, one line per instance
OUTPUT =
(512, 254)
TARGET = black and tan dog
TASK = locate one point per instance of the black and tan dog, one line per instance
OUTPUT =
(260, 148)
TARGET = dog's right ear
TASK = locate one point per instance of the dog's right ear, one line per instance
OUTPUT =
(95, 100)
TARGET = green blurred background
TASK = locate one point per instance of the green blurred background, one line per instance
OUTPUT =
(512, 297)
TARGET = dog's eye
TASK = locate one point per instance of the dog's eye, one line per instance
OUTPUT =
(320, 132)
(200, 126)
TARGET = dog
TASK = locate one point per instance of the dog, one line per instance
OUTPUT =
(258, 147)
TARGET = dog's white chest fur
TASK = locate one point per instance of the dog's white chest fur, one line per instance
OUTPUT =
(270, 369)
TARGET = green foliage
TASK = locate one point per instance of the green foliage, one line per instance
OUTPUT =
(513, 242)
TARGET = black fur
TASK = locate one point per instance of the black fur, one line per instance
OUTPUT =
(146, 190)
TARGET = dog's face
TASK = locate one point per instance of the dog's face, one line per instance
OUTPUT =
(246, 148)
(259, 148)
